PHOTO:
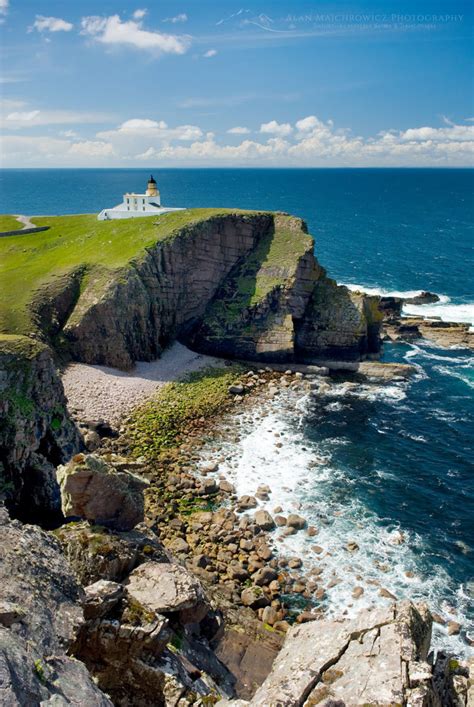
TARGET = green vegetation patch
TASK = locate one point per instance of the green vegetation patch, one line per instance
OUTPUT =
(29, 263)
(20, 346)
(9, 223)
(158, 425)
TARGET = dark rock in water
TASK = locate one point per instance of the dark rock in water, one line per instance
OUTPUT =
(422, 298)
(264, 520)
(296, 521)
(408, 332)
(391, 307)
(35, 667)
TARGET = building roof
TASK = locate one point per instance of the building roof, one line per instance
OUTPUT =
(151, 180)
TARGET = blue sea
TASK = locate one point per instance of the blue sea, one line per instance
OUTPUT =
(388, 466)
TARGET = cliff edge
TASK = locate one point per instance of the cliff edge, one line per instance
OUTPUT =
(234, 283)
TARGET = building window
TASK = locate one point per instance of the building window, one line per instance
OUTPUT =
(128, 200)
(143, 208)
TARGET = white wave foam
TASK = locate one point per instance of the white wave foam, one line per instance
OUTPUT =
(444, 309)
(272, 450)
(426, 351)
(456, 373)
(368, 392)
(382, 292)
(462, 313)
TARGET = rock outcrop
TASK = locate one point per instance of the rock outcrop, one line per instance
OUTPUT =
(445, 334)
(167, 588)
(142, 639)
(161, 294)
(279, 305)
(379, 658)
(96, 553)
(36, 433)
(40, 618)
(410, 328)
(94, 490)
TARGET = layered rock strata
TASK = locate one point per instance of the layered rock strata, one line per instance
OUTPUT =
(245, 285)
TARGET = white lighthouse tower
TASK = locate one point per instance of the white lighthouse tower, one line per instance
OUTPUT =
(135, 205)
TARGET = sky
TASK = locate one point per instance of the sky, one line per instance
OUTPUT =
(276, 83)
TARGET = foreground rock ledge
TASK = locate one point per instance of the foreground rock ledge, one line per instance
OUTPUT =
(378, 658)
(40, 616)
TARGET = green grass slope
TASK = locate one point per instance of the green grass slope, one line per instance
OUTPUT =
(31, 262)
(9, 223)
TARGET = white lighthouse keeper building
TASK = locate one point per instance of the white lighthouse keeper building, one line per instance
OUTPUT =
(134, 205)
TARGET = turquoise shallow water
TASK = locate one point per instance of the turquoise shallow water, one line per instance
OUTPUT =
(398, 458)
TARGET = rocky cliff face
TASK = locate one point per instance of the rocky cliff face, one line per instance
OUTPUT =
(40, 616)
(36, 433)
(239, 285)
(159, 297)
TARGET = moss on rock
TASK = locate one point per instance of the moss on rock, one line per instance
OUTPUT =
(158, 425)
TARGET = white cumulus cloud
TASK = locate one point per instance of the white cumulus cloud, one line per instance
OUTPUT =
(140, 13)
(91, 148)
(51, 24)
(311, 143)
(113, 32)
(275, 128)
(4, 7)
(307, 124)
(238, 130)
(210, 53)
(142, 123)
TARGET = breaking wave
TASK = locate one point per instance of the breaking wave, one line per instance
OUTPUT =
(445, 309)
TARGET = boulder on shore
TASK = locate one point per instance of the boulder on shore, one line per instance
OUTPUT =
(94, 490)
(164, 588)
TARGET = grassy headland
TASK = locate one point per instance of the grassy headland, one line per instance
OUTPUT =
(31, 262)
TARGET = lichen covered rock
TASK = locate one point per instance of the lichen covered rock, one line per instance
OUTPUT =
(168, 589)
(96, 553)
(380, 657)
(95, 490)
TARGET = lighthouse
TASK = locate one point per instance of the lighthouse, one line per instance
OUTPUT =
(135, 205)
(151, 188)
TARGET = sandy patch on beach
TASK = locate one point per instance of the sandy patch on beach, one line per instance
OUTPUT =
(100, 392)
